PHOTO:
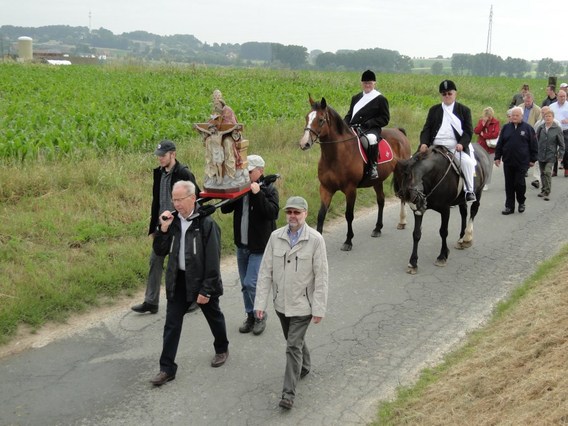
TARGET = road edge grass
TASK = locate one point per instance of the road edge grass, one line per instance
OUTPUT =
(388, 412)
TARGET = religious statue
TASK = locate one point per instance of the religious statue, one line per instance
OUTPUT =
(224, 149)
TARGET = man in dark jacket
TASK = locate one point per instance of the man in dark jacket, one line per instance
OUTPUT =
(254, 219)
(369, 113)
(518, 149)
(169, 172)
(193, 274)
(449, 124)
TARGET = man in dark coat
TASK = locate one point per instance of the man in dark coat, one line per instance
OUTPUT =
(165, 176)
(369, 113)
(254, 219)
(518, 149)
(193, 274)
(449, 124)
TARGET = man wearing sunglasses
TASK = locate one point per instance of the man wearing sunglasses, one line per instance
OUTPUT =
(449, 124)
(294, 267)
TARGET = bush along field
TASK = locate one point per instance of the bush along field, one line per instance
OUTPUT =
(76, 153)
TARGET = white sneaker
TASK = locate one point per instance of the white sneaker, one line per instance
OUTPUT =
(486, 187)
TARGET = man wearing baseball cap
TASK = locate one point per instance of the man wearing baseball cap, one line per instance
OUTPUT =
(254, 219)
(294, 267)
(166, 174)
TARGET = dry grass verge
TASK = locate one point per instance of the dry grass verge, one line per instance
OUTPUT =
(514, 372)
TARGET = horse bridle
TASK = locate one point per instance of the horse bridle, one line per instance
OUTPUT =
(317, 135)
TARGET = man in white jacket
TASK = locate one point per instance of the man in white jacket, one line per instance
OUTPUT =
(294, 266)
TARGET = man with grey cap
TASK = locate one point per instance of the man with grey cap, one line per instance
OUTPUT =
(294, 267)
(254, 219)
(449, 124)
(165, 175)
(368, 114)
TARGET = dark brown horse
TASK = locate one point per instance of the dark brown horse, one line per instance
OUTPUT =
(429, 182)
(341, 167)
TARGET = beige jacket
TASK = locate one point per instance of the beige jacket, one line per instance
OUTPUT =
(297, 276)
(534, 115)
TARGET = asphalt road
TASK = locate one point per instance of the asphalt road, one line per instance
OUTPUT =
(382, 327)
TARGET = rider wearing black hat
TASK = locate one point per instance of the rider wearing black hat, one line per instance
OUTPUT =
(369, 113)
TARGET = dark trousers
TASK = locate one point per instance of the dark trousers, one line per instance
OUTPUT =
(297, 353)
(515, 185)
(176, 309)
(565, 158)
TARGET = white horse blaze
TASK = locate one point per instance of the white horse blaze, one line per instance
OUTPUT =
(306, 137)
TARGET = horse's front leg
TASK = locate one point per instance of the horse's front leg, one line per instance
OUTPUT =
(350, 197)
(445, 251)
(381, 206)
(402, 216)
(325, 198)
(463, 223)
(467, 240)
(416, 235)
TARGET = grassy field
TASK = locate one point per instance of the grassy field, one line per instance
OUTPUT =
(76, 149)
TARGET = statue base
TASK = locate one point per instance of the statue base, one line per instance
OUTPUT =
(227, 184)
(224, 195)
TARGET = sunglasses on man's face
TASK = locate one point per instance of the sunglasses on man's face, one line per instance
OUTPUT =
(294, 212)
(446, 93)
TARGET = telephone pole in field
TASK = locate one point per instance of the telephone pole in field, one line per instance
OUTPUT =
(488, 49)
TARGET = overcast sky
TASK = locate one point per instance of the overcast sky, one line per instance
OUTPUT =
(417, 28)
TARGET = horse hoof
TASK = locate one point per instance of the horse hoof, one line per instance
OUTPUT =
(346, 247)
(401, 226)
(375, 234)
(441, 262)
(412, 270)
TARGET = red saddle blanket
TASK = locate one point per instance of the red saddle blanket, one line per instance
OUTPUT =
(385, 152)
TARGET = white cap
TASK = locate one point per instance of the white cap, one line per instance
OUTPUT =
(254, 161)
(563, 85)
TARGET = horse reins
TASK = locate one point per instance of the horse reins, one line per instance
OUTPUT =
(318, 140)
(442, 178)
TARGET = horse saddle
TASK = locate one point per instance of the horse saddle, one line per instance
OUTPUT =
(385, 152)
(442, 150)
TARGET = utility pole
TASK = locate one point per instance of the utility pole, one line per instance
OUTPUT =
(488, 48)
(89, 22)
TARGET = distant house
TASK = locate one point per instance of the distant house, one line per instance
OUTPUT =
(56, 61)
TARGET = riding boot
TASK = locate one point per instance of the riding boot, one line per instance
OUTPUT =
(372, 154)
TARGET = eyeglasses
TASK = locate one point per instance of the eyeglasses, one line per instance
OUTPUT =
(446, 93)
(179, 200)
(295, 212)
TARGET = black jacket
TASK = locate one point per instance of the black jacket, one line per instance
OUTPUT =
(434, 122)
(372, 117)
(202, 257)
(179, 172)
(517, 145)
(263, 212)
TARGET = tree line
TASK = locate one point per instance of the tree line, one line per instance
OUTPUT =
(181, 48)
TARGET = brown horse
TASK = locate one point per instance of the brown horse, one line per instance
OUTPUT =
(341, 166)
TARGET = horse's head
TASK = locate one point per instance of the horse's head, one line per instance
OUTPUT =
(317, 124)
(408, 182)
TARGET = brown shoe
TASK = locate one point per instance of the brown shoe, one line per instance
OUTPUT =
(286, 403)
(161, 378)
(219, 359)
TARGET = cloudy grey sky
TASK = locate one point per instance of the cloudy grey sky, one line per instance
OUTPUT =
(417, 28)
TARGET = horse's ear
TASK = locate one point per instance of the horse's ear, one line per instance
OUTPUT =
(323, 103)
(312, 102)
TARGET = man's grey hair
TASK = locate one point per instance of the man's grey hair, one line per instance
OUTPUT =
(187, 185)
